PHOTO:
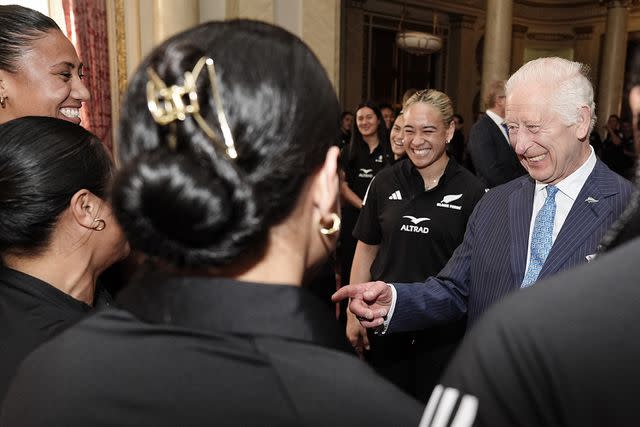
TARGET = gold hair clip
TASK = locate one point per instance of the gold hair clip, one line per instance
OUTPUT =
(167, 104)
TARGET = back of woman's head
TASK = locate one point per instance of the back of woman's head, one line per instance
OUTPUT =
(180, 196)
(19, 26)
(43, 163)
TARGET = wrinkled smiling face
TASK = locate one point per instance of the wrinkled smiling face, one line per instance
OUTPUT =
(549, 149)
(47, 82)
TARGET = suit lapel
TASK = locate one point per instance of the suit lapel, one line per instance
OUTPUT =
(520, 208)
(585, 217)
(497, 132)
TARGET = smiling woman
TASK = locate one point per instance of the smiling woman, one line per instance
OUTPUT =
(40, 73)
(413, 217)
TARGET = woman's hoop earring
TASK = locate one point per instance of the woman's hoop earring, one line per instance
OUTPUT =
(335, 226)
(101, 224)
(3, 101)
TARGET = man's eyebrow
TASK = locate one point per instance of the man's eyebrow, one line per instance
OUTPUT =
(68, 64)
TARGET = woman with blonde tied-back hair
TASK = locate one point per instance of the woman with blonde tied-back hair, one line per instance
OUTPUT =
(413, 217)
(233, 200)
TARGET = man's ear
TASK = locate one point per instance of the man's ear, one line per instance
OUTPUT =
(326, 185)
(84, 207)
(584, 123)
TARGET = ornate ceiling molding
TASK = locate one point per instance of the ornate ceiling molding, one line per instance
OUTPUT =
(584, 32)
(550, 37)
(462, 21)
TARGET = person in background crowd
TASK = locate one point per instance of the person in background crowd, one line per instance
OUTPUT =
(405, 233)
(617, 149)
(368, 152)
(493, 158)
(408, 94)
(388, 115)
(456, 147)
(346, 123)
(397, 138)
(57, 232)
(231, 206)
(528, 229)
(40, 73)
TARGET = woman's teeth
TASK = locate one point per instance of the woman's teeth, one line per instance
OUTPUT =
(72, 113)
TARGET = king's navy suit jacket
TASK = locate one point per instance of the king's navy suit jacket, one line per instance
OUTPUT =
(491, 261)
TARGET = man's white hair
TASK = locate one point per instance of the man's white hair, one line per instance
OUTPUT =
(567, 83)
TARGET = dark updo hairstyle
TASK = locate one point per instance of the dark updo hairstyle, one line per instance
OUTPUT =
(357, 141)
(43, 163)
(179, 197)
(19, 26)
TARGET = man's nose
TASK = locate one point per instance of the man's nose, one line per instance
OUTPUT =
(521, 142)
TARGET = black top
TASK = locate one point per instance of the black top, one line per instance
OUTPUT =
(417, 230)
(363, 167)
(205, 352)
(616, 157)
(455, 148)
(563, 353)
(31, 311)
(494, 160)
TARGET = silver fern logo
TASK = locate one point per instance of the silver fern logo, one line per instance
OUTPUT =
(446, 201)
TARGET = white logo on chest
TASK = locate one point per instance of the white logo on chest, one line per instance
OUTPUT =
(446, 202)
(365, 173)
(414, 227)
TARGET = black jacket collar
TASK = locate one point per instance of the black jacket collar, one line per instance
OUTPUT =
(241, 308)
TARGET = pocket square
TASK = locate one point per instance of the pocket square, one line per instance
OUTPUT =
(590, 257)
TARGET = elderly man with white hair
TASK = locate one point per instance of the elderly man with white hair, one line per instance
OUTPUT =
(564, 353)
(530, 228)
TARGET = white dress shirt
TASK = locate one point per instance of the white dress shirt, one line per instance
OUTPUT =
(569, 188)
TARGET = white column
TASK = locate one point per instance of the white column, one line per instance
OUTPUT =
(496, 59)
(613, 61)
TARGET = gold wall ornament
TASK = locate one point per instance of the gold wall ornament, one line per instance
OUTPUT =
(167, 104)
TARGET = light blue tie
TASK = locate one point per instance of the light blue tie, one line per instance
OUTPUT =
(542, 237)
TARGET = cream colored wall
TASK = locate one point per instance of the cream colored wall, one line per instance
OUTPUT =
(316, 22)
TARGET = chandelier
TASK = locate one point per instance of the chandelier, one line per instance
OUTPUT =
(418, 42)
